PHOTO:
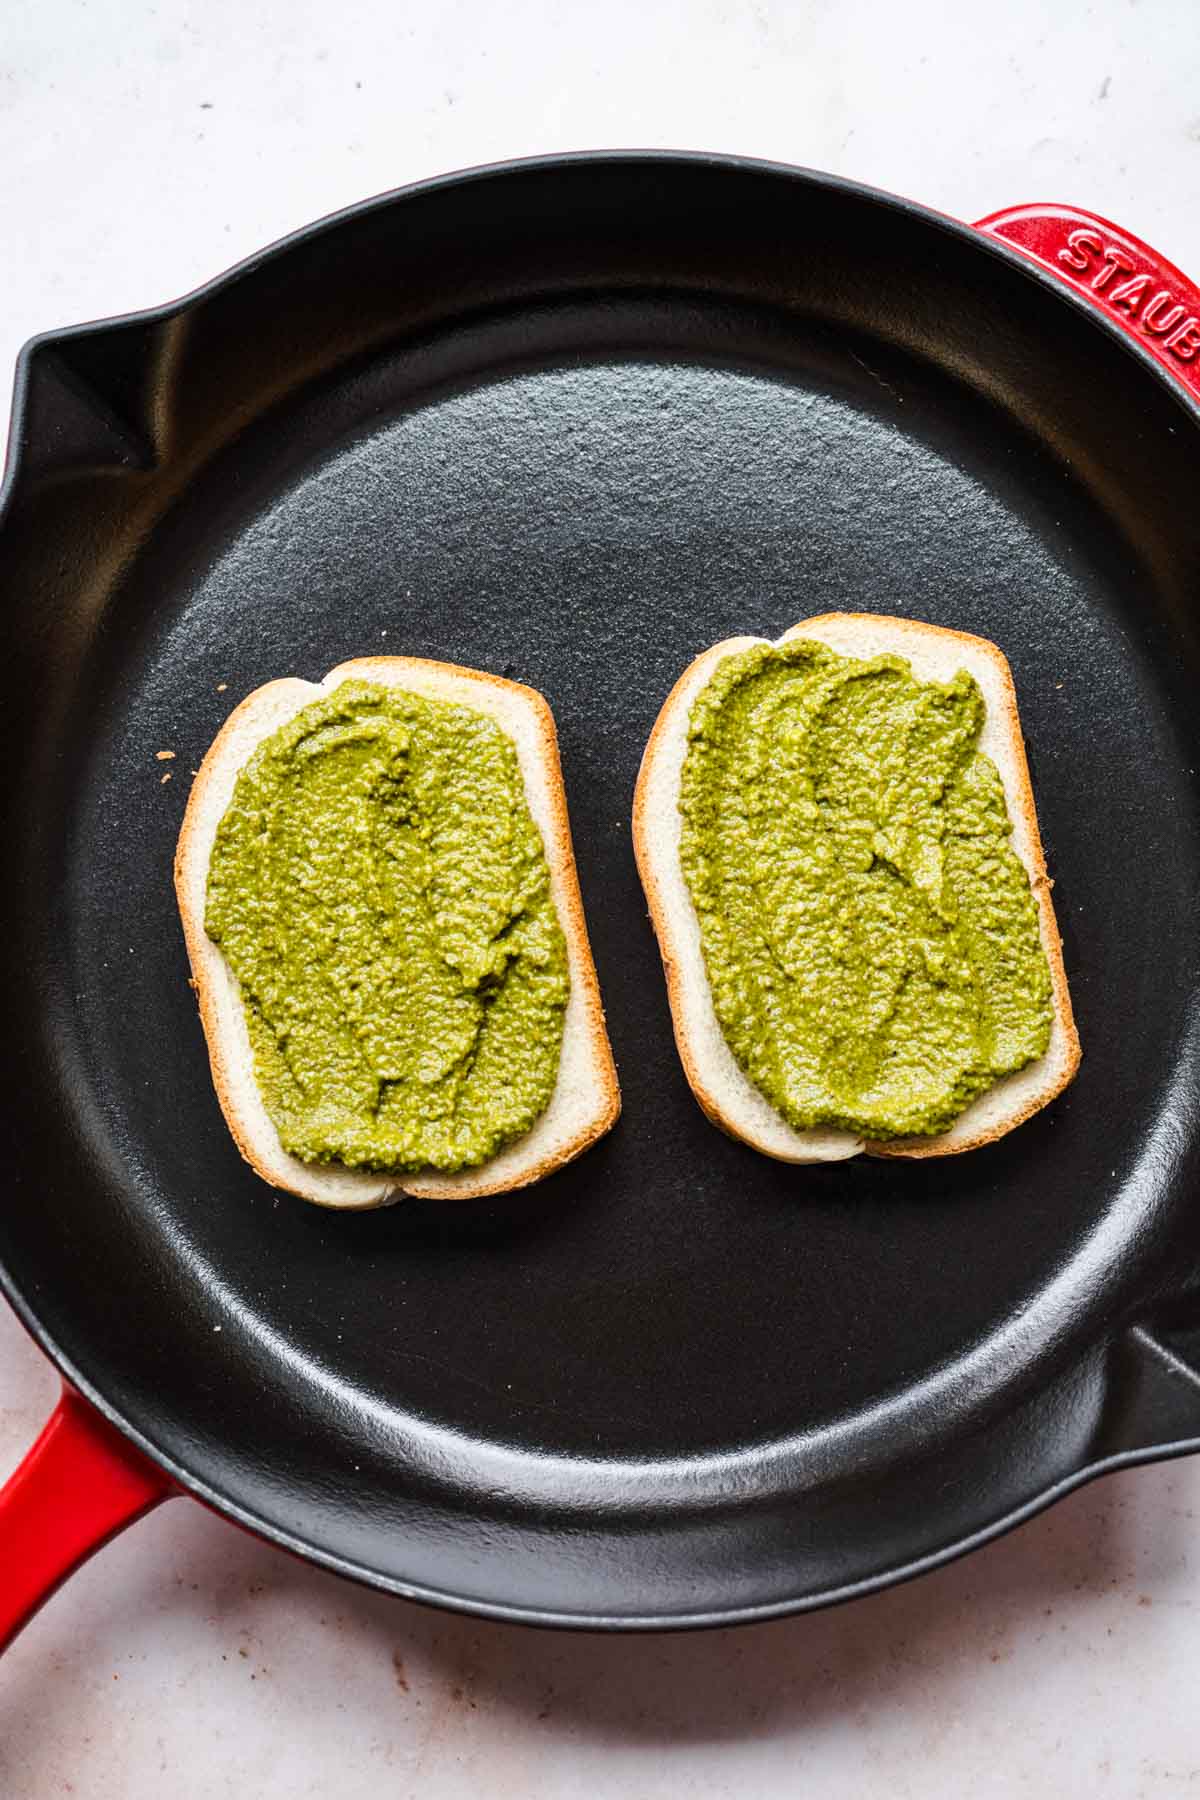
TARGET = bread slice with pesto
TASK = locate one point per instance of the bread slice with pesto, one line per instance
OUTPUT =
(585, 1100)
(717, 1077)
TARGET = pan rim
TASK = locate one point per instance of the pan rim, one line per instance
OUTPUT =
(473, 1606)
(584, 160)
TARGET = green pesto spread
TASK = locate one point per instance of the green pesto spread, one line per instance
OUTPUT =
(870, 936)
(381, 893)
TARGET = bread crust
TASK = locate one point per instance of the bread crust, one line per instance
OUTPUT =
(564, 1130)
(720, 1093)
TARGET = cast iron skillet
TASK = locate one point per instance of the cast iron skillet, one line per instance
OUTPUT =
(572, 421)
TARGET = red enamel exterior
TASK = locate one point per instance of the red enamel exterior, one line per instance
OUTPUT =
(1138, 289)
(79, 1485)
(82, 1482)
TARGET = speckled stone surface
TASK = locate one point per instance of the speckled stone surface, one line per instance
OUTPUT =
(188, 1659)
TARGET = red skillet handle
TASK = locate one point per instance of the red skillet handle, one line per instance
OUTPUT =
(1150, 297)
(79, 1485)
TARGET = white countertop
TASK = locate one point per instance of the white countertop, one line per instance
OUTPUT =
(144, 147)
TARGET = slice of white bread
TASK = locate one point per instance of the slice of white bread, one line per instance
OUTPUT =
(586, 1100)
(720, 1085)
